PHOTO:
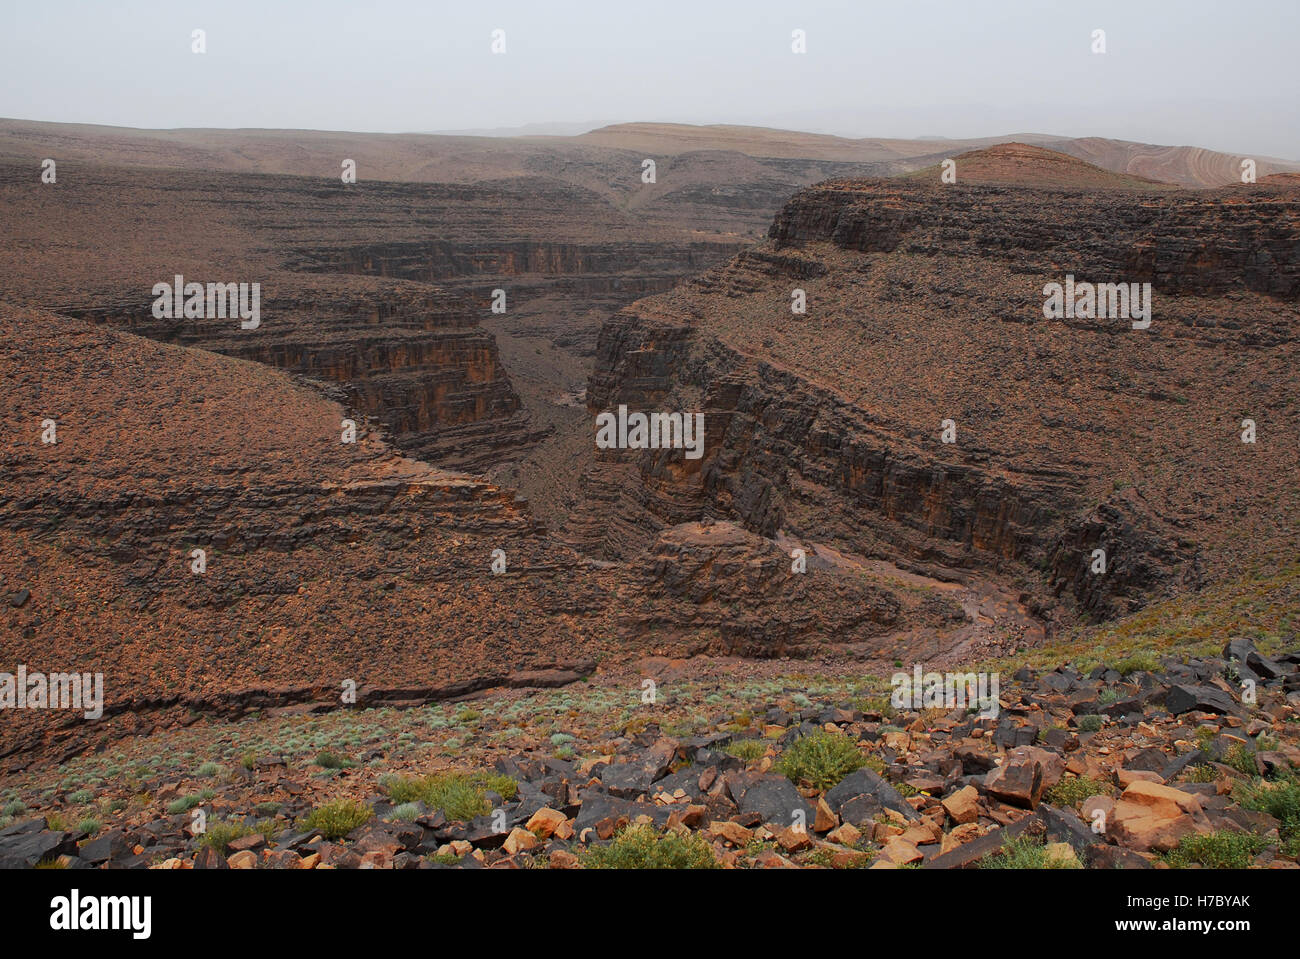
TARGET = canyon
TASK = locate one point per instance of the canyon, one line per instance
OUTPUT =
(925, 304)
(370, 561)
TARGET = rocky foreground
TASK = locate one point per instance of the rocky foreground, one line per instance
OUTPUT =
(1132, 765)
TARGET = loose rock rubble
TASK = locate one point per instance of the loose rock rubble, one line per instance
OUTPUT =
(1097, 770)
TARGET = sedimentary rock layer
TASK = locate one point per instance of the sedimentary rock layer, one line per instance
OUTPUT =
(925, 304)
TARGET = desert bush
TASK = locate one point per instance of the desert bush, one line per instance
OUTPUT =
(1073, 790)
(335, 820)
(1216, 850)
(460, 796)
(746, 750)
(1025, 852)
(820, 759)
(642, 847)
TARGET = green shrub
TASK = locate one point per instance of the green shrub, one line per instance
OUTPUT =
(1025, 852)
(1281, 800)
(746, 750)
(183, 804)
(89, 825)
(1073, 790)
(220, 835)
(1241, 758)
(460, 796)
(81, 797)
(1140, 663)
(1090, 722)
(328, 759)
(1216, 850)
(209, 770)
(820, 759)
(335, 820)
(642, 847)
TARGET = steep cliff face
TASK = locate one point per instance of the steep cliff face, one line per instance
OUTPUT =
(438, 261)
(1204, 242)
(925, 304)
(413, 360)
(322, 561)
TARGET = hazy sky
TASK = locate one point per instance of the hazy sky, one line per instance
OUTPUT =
(1224, 75)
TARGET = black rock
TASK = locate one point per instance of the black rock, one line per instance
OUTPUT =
(1181, 699)
(775, 799)
(686, 779)
(110, 845)
(865, 782)
(1063, 825)
(597, 807)
(23, 827)
(1172, 769)
(24, 850)
(627, 780)
(861, 810)
(1149, 760)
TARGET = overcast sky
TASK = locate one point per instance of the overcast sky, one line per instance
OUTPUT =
(1224, 75)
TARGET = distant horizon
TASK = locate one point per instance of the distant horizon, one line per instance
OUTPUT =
(533, 130)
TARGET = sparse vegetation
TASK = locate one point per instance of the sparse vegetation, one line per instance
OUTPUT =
(183, 804)
(1281, 800)
(642, 847)
(820, 759)
(1025, 852)
(328, 759)
(460, 796)
(1216, 850)
(1241, 758)
(746, 750)
(335, 820)
(1073, 790)
(220, 835)
(1140, 663)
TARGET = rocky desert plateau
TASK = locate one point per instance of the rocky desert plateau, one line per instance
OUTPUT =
(665, 495)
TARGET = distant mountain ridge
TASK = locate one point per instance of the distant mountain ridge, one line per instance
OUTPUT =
(584, 158)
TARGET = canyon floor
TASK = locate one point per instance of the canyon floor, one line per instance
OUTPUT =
(435, 626)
